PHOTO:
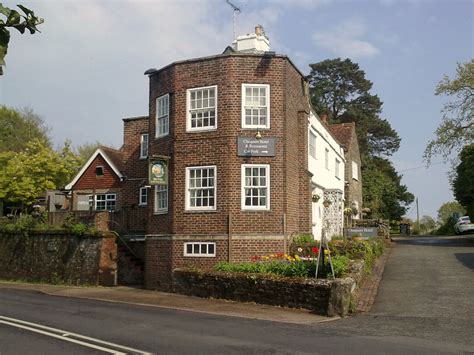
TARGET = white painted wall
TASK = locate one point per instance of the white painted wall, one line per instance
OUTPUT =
(324, 177)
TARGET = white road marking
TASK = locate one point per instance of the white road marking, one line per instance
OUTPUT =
(66, 336)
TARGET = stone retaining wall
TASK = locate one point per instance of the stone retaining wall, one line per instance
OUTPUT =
(58, 257)
(325, 297)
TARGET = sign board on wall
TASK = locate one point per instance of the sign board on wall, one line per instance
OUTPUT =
(364, 232)
(158, 172)
(253, 147)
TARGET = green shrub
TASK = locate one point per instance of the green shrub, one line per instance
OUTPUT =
(340, 263)
(303, 239)
(79, 228)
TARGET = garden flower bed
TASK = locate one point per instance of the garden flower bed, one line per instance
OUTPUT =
(289, 279)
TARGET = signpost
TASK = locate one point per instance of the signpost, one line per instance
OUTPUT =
(254, 147)
(364, 232)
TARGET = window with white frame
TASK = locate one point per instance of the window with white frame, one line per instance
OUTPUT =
(337, 165)
(143, 196)
(326, 158)
(105, 202)
(200, 249)
(355, 171)
(161, 199)
(144, 146)
(312, 144)
(162, 115)
(255, 187)
(255, 106)
(201, 108)
(201, 188)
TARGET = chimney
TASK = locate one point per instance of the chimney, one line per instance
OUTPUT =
(257, 42)
(324, 118)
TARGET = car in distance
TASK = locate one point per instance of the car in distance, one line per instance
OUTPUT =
(463, 225)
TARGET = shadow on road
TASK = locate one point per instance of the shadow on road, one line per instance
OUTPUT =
(467, 259)
(434, 241)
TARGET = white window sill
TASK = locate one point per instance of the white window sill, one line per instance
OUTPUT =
(162, 135)
(201, 211)
(157, 213)
(198, 256)
(197, 130)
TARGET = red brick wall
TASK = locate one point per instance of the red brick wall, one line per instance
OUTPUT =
(136, 174)
(90, 180)
(219, 147)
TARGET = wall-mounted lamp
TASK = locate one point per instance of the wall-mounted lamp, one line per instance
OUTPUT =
(258, 135)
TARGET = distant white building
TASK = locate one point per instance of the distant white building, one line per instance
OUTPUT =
(326, 162)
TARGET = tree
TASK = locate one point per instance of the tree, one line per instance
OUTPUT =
(382, 189)
(448, 209)
(427, 224)
(339, 89)
(86, 150)
(463, 183)
(18, 127)
(27, 174)
(457, 127)
(20, 22)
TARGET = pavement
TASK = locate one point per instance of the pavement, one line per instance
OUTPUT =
(137, 296)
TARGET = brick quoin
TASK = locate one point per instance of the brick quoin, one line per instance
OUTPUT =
(250, 232)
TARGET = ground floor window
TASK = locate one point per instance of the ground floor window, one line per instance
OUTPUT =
(143, 199)
(201, 188)
(105, 202)
(255, 187)
(200, 249)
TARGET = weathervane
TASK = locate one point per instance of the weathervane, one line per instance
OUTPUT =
(235, 12)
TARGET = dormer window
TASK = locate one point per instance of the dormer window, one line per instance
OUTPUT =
(99, 170)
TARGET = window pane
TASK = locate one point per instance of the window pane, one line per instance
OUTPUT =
(189, 248)
(210, 248)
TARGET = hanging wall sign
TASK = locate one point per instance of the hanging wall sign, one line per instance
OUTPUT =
(253, 147)
(158, 172)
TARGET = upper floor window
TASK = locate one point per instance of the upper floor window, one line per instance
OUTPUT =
(99, 170)
(162, 115)
(255, 106)
(201, 108)
(312, 144)
(201, 188)
(143, 196)
(144, 145)
(105, 202)
(326, 158)
(161, 199)
(337, 166)
(255, 187)
(355, 171)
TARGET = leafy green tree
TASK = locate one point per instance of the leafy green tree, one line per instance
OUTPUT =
(29, 173)
(382, 189)
(21, 22)
(339, 89)
(448, 209)
(457, 127)
(463, 183)
(18, 127)
(427, 224)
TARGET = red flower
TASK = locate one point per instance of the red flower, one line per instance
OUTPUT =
(315, 250)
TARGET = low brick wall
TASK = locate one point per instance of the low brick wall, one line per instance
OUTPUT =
(58, 257)
(325, 297)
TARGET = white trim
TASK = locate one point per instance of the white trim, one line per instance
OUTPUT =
(242, 187)
(187, 196)
(356, 166)
(199, 255)
(142, 145)
(88, 163)
(140, 203)
(156, 116)
(267, 87)
(311, 134)
(188, 113)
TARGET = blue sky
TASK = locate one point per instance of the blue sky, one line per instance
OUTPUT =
(84, 72)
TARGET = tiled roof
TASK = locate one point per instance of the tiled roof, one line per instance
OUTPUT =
(343, 133)
(115, 156)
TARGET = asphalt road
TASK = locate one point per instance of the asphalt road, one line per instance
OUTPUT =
(425, 305)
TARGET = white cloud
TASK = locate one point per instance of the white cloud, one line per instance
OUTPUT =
(305, 4)
(345, 40)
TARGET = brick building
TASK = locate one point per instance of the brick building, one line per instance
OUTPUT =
(229, 133)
